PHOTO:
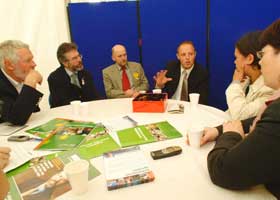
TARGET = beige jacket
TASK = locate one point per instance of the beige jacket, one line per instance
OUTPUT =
(242, 107)
(112, 79)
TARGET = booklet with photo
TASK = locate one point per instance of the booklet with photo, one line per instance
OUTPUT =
(44, 179)
(66, 137)
(87, 139)
(74, 126)
(147, 133)
(126, 167)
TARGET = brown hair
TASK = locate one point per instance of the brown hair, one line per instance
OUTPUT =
(271, 35)
(64, 48)
(183, 43)
(250, 44)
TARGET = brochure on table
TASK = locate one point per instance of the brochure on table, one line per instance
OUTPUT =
(126, 167)
(147, 133)
(43, 178)
(87, 139)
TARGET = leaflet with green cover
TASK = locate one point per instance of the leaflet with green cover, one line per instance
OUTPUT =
(87, 139)
(43, 178)
(147, 133)
(46, 129)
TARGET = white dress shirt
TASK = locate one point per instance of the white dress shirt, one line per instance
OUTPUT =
(177, 94)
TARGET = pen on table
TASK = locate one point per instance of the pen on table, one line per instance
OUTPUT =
(135, 123)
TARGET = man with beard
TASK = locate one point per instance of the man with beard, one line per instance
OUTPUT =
(18, 80)
(70, 81)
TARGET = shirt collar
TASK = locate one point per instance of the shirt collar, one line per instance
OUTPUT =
(275, 95)
(120, 68)
(69, 72)
(188, 70)
(16, 84)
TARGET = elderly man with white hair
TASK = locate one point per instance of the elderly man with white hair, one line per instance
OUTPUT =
(18, 80)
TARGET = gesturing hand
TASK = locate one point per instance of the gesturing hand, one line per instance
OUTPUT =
(161, 79)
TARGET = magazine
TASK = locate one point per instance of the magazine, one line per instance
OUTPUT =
(87, 139)
(44, 179)
(74, 126)
(126, 167)
(147, 133)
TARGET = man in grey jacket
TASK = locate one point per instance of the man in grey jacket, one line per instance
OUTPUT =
(123, 79)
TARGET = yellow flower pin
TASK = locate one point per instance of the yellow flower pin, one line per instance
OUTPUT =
(136, 75)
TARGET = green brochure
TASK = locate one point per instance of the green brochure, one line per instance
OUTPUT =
(43, 178)
(87, 139)
(147, 133)
(97, 143)
(46, 129)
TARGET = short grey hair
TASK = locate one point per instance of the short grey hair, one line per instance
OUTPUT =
(8, 50)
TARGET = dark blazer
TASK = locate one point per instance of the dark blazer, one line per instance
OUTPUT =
(239, 164)
(198, 80)
(17, 108)
(62, 91)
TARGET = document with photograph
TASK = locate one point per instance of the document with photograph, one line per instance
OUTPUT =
(126, 167)
(44, 179)
(87, 139)
(147, 133)
(73, 127)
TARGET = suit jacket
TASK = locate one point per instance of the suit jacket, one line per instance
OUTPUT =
(62, 91)
(237, 163)
(198, 80)
(15, 107)
(112, 79)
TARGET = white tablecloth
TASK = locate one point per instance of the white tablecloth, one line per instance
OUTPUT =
(180, 177)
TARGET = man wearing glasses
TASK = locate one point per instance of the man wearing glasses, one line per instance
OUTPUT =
(70, 81)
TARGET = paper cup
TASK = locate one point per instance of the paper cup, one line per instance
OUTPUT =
(156, 91)
(194, 99)
(142, 92)
(84, 109)
(75, 107)
(77, 174)
(195, 137)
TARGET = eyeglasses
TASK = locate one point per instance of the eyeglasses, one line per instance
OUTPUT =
(76, 57)
(260, 54)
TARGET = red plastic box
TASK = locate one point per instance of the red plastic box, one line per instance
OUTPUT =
(150, 102)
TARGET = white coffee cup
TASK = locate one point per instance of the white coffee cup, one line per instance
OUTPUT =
(156, 91)
(142, 91)
(75, 107)
(194, 99)
(84, 109)
(77, 174)
(195, 136)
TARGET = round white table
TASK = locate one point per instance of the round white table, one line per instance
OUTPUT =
(180, 177)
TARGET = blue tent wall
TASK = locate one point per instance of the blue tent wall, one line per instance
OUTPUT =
(165, 24)
(229, 20)
(96, 27)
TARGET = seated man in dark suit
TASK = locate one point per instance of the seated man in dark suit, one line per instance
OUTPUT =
(18, 81)
(184, 76)
(70, 81)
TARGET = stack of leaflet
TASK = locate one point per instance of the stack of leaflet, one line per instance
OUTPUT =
(126, 167)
